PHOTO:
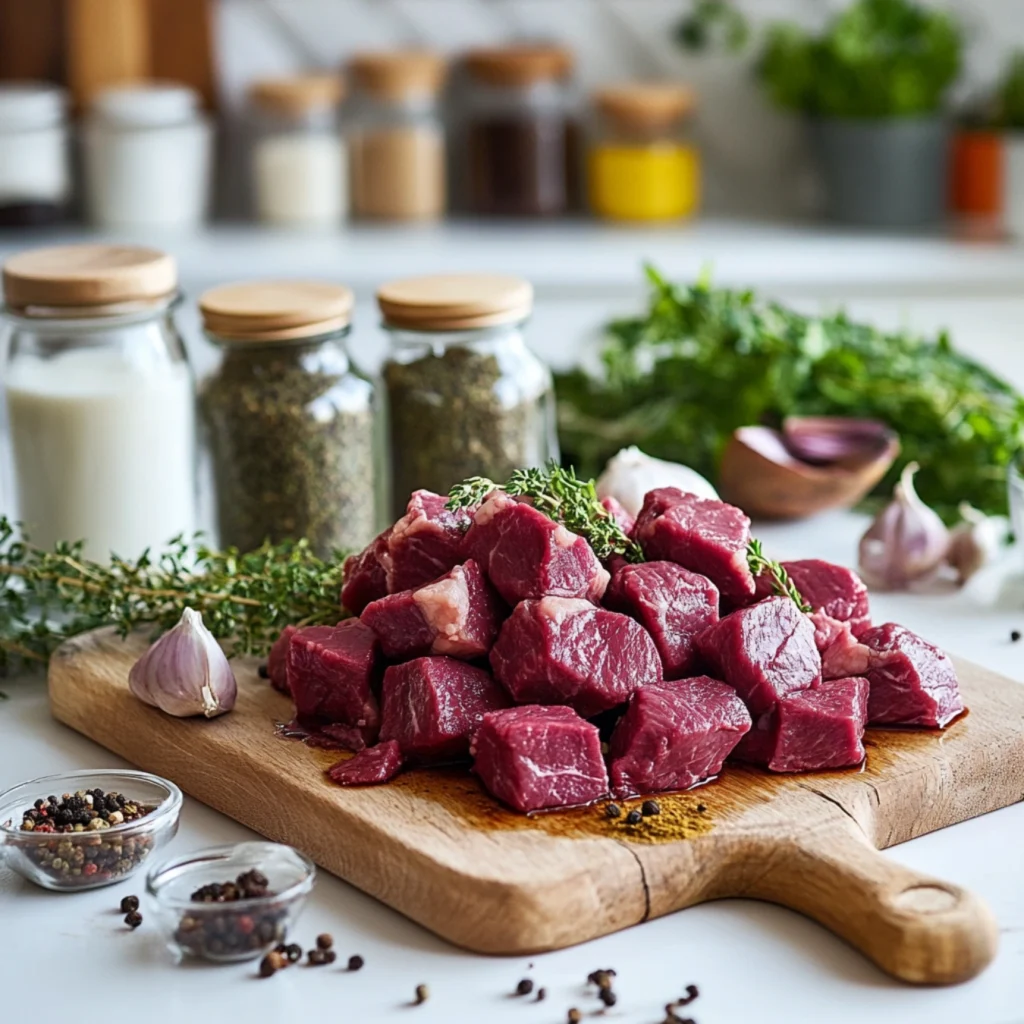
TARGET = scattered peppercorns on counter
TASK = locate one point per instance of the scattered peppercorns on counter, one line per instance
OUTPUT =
(133, 919)
(129, 903)
(524, 988)
(355, 963)
(574, 1016)
(1014, 635)
(671, 1017)
(422, 995)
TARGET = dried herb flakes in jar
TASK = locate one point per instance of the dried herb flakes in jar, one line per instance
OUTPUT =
(290, 425)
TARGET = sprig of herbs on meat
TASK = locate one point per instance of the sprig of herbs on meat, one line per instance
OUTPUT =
(782, 584)
(48, 596)
(560, 494)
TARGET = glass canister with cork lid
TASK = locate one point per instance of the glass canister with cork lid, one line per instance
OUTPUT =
(519, 132)
(291, 426)
(466, 397)
(396, 137)
(299, 166)
(100, 399)
(641, 166)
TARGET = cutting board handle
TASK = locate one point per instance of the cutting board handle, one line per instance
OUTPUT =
(916, 928)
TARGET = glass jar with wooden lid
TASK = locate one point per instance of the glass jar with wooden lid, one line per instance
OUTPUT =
(466, 396)
(396, 136)
(299, 165)
(100, 399)
(291, 426)
(519, 131)
(641, 165)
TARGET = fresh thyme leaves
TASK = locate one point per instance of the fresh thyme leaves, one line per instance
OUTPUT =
(48, 596)
(783, 585)
(562, 496)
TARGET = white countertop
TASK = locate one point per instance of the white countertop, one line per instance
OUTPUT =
(753, 962)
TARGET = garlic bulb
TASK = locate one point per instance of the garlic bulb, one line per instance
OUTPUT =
(630, 474)
(974, 542)
(907, 540)
(185, 672)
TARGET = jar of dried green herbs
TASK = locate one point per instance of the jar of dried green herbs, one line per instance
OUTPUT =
(466, 397)
(291, 427)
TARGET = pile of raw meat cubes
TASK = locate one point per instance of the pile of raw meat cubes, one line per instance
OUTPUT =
(495, 636)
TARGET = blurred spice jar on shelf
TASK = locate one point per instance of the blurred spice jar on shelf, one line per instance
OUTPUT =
(519, 132)
(640, 165)
(396, 137)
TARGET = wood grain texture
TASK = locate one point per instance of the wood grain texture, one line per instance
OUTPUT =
(108, 44)
(432, 845)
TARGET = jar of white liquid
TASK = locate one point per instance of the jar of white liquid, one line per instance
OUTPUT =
(147, 155)
(299, 164)
(100, 399)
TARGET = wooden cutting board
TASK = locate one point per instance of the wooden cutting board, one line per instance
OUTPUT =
(434, 846)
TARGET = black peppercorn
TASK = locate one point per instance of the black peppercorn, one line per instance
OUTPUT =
(634, 817)
(524, 988)
(133, 919)
(649, 808)
(329, 956)
(422, 994)
(355, 963)
(608, 997)
(691, 993)
(1015, 635)
(316, 957)
(541, 993)
(701, 808)
(612, 810)
(129, 903)
(324, 941)
(293, 951)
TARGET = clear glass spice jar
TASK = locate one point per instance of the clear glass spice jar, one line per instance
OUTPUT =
(396, 137)
(520, 135)
(466, 396)
(641, 165)
(299, 165)
(291, 426)
(100, 399)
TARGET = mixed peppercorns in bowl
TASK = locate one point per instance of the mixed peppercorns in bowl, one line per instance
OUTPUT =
(86, 829)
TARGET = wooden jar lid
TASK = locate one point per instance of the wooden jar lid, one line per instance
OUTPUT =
(297, 95)
(645, 103)
(453, 302)
(519, 65)
(275, 310)
(398, 74)
(83, 276)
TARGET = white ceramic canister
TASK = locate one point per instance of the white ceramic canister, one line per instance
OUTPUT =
(34, 178)
(100, 399)
(147, 151)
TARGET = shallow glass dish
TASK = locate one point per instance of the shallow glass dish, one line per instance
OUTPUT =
(238, 930)
(73, 861)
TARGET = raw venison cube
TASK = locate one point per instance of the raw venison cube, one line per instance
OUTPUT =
(536, 757)
(700, 534)
(425, 543)
(833, 589)
(563, 650)
(673, 604)
(675, 735)
(812, 730)
(431, 706)
(332, 671)
(277, 660)
(912, 681)
(369, 767)
(842, 654)
(617, 511)
(458, 614)
(765, 652)
(527, 555)
(363, 577)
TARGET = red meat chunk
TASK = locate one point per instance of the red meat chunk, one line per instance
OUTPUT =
(673, 604)
(700, 534)
(619, 514)
(536, 757)
(765, 652)
(675, 735)
(432, 705)
(331, 674)
(562, 650)
(842, 654)
(364, 578)
(833, 589)
(812, 730)
(277, 661)
(369, 767)
(912, 681)
(425, 543)
(458, 614)
(527, 555)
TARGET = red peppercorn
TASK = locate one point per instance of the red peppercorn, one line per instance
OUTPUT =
(89, 869)
(245, 924)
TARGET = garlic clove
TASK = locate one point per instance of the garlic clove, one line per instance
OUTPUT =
(906, 542)
(631, 473)
(974, 542)
(185, 672)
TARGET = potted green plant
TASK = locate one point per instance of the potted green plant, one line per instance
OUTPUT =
(873, 87)
(1011, 120)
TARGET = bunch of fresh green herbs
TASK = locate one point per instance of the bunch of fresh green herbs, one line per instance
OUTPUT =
(703, 361)
(713, 26)
(876, 59)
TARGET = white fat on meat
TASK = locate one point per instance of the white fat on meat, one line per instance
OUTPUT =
(558, 609)
(444, 606)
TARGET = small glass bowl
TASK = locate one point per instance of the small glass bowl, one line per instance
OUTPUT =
(239, 930)
(74, 861)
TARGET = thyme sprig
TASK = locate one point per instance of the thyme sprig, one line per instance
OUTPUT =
(48, 596)
(564, 497)
(781, 582)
